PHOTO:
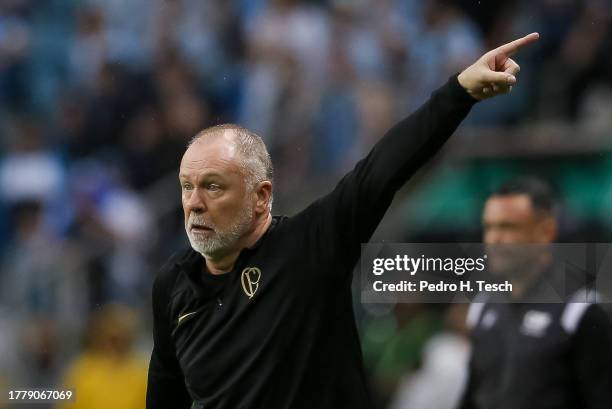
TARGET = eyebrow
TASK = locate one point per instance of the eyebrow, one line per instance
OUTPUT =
(202, 175)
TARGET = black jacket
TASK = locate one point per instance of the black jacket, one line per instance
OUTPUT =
(540, 356)
(278, 331)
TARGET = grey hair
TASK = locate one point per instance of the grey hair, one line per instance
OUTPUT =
(255, 160)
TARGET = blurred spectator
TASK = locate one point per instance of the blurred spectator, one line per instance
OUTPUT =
(4, 391)
(89, 51)
(438, 383)
(338, 117)
(39, 354)
(446, 42)
(108, 373)
(113, 227)
(15, 42)
(393, 345)
(32, 284)
(29, 170)
(31, 354)
(289, 41)
(373, 35)
(127, 28)
(9, 346)
(596, 111)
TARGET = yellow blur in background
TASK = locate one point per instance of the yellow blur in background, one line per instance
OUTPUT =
(108, 374)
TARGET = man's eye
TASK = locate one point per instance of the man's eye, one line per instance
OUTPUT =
(187, 186)
(213, 187)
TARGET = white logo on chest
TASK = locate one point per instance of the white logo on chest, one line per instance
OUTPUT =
(489, 319)
(535, 323)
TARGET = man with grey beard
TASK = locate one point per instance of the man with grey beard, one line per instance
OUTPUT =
(258, 312)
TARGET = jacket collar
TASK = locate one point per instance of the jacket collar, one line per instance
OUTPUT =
(200, 280)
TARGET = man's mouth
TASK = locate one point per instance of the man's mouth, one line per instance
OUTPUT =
(200, 228)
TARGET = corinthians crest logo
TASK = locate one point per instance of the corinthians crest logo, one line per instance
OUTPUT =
(250, 280)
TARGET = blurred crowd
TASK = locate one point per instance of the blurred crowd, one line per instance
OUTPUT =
(98, 99)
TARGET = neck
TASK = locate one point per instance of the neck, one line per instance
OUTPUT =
(524, 283)
(224, 263)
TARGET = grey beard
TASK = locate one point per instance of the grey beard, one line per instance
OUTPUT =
(222, 240)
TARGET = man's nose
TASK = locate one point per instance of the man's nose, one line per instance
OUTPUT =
(195, 202)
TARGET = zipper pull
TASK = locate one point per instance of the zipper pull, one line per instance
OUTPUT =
(219, 302)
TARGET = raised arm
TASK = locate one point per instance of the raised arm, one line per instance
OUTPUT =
(349, 215)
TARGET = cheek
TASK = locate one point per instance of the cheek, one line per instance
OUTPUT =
(516, 237)
(504, 236)
(185, 209)
(539, 236)
(224, 211)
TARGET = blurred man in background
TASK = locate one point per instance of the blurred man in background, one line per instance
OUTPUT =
(258, 313)
(534, 355)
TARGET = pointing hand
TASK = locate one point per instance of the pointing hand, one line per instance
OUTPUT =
(495, 72)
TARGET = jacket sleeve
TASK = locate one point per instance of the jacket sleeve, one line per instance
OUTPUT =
(592, 358)
(348, 216)
(166, 385)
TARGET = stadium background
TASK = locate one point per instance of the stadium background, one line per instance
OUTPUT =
(98, 99)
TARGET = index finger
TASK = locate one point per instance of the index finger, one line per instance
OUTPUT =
(513, 46)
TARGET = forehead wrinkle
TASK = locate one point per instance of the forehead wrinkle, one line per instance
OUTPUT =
(203, 168)
(222, 162)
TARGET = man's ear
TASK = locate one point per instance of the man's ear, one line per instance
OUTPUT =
(264, 195)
